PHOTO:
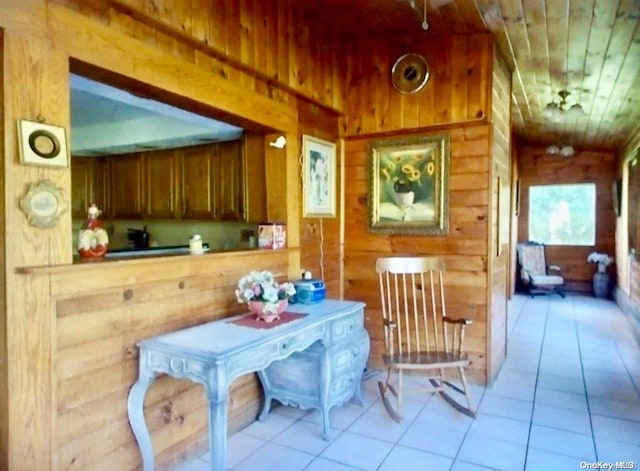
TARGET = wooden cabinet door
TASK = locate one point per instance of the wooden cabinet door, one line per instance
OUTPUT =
(253, 178)
(160, 184)
(101, 183)
(195, 182)
(82, 178)
(228, 185)
(125, 187)
(88, 185)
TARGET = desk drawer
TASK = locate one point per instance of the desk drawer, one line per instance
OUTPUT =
(343, 328)
(351, 354)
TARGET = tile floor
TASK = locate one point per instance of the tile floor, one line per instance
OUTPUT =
(567, 396)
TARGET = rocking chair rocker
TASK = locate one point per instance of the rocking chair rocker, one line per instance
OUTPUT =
(419, 337)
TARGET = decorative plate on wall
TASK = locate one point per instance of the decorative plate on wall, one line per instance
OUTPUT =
(43, 204)
(410, 73)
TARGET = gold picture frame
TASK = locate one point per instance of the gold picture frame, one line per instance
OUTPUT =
(319, 178)
(409, 185)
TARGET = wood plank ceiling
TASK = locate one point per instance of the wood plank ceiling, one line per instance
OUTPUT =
(590, 48)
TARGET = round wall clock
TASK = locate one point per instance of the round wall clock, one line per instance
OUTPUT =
(410, 73)
(44, 144)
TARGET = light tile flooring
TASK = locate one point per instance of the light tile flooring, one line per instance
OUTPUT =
(567, 396)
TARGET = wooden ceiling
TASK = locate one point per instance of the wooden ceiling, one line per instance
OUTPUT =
(590, 48)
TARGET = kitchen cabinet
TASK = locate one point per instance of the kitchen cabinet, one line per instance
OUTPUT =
(213, 182)
(160, 182)
(82, 177)
(125, 187)
(196, 194)
(88, 185)
(254, 182)
(227, 182)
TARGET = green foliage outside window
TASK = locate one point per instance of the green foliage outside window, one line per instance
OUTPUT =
(563, 214)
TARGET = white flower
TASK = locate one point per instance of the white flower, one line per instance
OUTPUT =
(600, 258)
(262, 286)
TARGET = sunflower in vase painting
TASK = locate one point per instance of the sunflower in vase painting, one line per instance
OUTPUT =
(407, 185)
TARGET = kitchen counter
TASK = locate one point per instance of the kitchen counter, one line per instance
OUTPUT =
(155, 251)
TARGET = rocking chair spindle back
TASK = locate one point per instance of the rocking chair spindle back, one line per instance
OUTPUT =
(418, 334)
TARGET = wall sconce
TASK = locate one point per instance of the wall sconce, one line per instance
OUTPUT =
(557, 109)
(279, 143)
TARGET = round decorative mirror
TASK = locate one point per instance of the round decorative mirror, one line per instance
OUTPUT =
(410, 73)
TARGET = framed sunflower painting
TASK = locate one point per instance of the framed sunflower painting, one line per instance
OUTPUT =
(409, 183)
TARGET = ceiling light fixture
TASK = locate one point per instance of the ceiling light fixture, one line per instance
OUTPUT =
(564, 150)
(560, 108)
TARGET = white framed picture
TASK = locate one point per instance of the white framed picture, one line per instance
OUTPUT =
(42, 145)
(319, 177)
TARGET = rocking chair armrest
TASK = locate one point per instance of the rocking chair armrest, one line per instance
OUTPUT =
(389, 324)
(458, 321)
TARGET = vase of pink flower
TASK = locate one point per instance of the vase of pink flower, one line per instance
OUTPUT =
(266, 298)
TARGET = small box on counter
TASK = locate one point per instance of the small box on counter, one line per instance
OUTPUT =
(272, 235)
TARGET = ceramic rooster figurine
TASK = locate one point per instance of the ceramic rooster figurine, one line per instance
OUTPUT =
(93, 241)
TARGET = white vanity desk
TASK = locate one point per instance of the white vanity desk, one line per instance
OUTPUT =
(321, 357)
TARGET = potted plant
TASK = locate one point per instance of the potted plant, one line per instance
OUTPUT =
(266, 298)
(600, 278)
(603, 260)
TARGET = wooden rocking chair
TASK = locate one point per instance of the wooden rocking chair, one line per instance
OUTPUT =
(418, 335)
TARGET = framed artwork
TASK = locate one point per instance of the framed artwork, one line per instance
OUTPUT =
(43, 145)
(319, 178)
(409, 185)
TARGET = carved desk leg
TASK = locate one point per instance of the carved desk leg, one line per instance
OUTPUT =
(217, 395)
(325, 384)
(135, 409)
(264, 413)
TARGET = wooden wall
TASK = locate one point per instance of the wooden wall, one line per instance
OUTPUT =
(98, 317)
(501, 216)
(274, 48)
(627, 265)
(263, 65)
(457, 94)
(41, 41)
(321, 243)
(457, 91)
(535, 167)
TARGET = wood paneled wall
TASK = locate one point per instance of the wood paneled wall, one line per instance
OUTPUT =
(502, 213)
(535, 167)
(253, 62)
(41, 38)
(457, 92)
(320, 241)
(465, 249)
(627, 266)
(97, 319)
(274, 48)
